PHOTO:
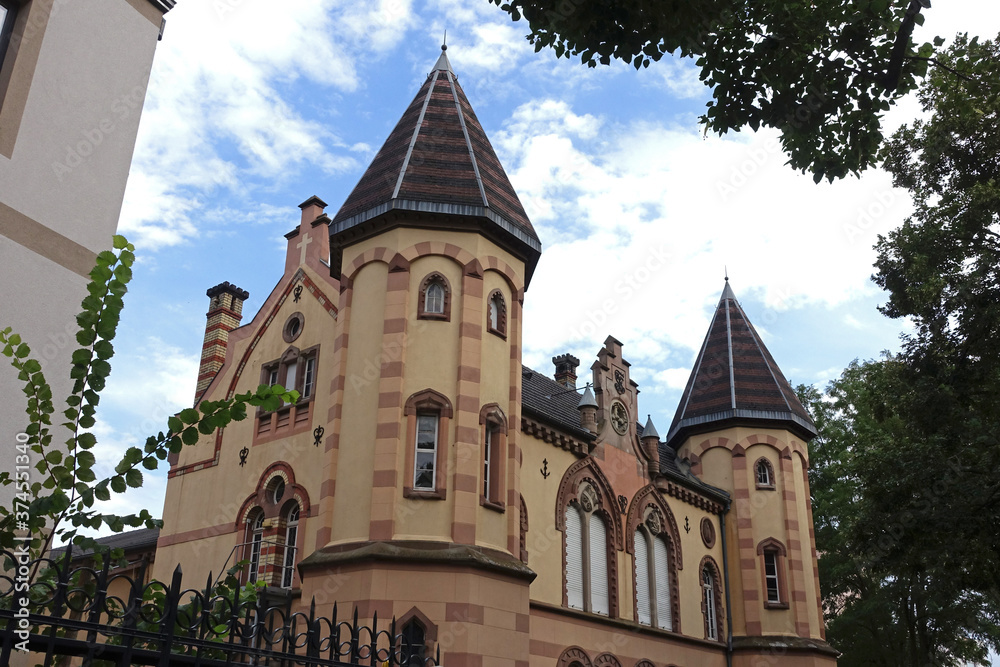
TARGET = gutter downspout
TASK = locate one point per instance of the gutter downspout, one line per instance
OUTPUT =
(725, 576)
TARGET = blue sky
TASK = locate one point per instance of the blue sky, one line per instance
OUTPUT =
(251, 110)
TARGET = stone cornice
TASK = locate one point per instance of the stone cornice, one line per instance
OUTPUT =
(552, 436)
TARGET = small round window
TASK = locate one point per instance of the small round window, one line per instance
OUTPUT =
(278, 491)
(293, 327)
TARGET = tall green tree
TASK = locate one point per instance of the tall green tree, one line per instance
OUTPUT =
(888, 599)
(821, 73)
(941, 269)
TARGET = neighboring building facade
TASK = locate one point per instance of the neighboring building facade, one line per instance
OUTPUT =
(425, 474)
(73, 80)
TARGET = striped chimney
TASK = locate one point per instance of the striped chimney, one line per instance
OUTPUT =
(225, 311)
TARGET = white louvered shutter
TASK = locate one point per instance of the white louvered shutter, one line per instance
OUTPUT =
(574, 558)
(643, 603)
(599, 599)
(662, 574)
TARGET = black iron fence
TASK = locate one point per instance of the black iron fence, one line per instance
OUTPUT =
(57, 609)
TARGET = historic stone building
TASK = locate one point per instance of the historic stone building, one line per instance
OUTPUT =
(502, 516)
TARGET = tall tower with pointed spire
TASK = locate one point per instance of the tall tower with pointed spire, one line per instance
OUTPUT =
(434, 252)
(742, 428)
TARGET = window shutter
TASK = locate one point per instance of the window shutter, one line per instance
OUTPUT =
(574, 558)
(661, 564)
(599, 600)
(643, 603)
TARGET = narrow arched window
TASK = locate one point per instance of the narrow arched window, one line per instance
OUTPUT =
(291, 539)
(652, 580)
(254, 541)
(496, 314)
(434, 302)
(764, 474)
(414, 644)
(708, 591)
(587, 566)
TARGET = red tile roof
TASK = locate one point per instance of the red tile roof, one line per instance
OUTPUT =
(438, 159)
(735, 380)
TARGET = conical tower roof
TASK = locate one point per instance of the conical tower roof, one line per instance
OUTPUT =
(438, 161)
(735, 380)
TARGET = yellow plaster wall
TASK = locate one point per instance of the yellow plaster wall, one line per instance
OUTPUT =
(544, 542)
(352, 507)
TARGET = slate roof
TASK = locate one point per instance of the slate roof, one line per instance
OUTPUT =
(735, 380)
(133, 540)
(438, 160)
(548, 401)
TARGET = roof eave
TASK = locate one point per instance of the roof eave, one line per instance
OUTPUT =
(689, 426)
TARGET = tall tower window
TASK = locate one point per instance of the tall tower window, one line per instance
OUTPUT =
(772, 562)
(428, 414)
(494, 438)
(426, 452)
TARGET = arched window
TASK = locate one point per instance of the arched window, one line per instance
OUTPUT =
(291, 540)
(252, 545)
(496, 314)
(434, 302)
(764, 474)
(653, 575)
(708, 603)
(586, 537)
(428, 414)
(414, 644)
(494, 436)
(772, 562)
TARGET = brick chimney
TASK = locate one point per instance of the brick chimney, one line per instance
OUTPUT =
(306, 243)
(225, 310)
(566, 370)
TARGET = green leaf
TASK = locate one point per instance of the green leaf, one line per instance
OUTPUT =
(133, 478)
(118, 484)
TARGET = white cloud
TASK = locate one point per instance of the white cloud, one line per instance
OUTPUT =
(681, 76)
(219, 114)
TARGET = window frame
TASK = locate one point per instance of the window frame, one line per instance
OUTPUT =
(7, 27)
(254, 541)
(497, 297)
(763, 463)
(493, 435)
(586, 557)
(774, 551)
(653, 590)
(422, 312)
(292, 518)
(711, 599)
(427, 403)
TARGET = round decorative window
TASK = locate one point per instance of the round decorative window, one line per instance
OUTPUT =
(293, 327)
(707, 532)
(619, 417)
(278, 491)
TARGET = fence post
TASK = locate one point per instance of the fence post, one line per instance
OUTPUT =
(169, 624)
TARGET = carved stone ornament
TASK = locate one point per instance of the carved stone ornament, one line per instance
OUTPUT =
(623, 503)
(588, 498)
(707, 532)
(619, 382)
(619, 418)
(654, 522)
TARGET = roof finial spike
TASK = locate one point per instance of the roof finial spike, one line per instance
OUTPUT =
(444, 42)
(726, 268)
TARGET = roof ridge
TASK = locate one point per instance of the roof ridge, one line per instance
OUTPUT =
(465, 133)
(416, 133)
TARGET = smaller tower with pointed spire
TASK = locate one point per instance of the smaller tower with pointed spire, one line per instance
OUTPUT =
(742, 428)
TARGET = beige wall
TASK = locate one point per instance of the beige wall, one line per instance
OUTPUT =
(75, 78)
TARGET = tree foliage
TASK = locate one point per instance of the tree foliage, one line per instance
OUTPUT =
(942, 271)
(819, 73)
(59, 496)
(889, 599)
